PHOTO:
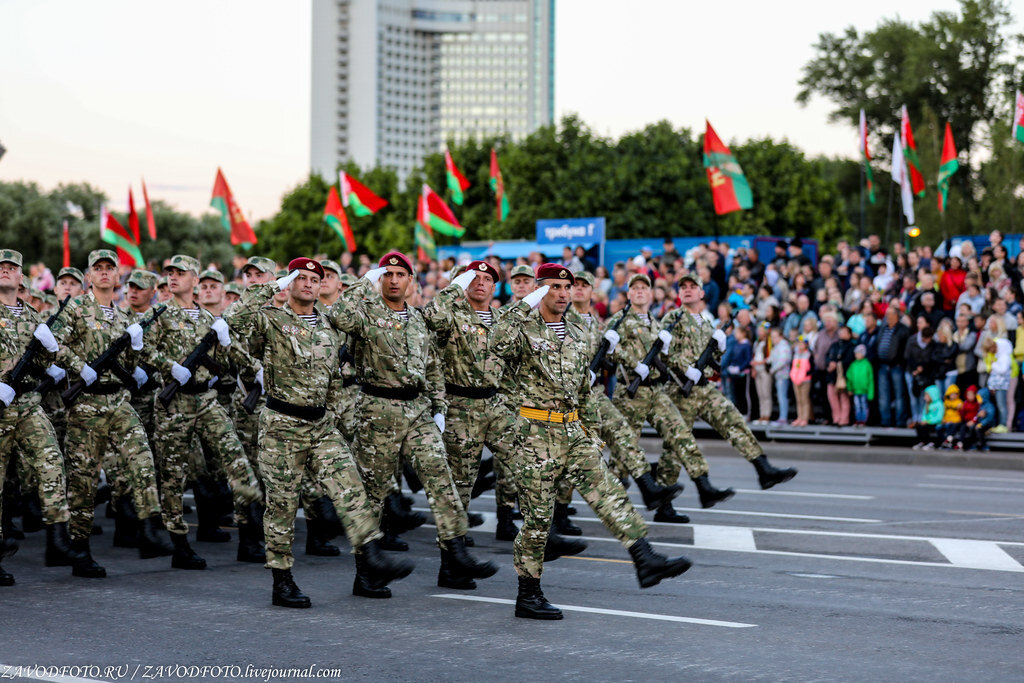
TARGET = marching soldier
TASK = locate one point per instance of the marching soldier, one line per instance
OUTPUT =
(553, 379)
(297, 432)
(402, 408)
(636, 334)
(103, 414)
(693, 334)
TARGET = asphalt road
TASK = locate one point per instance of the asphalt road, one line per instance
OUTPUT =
(852, 571)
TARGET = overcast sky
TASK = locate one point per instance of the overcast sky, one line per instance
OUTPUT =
(108, 91)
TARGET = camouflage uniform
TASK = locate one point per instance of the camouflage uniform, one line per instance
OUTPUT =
(194, 411)
(689, 338)
(299, 363)
(554, 375)
(650, 403)
(476, 419)
(396, 357)
(102, 414)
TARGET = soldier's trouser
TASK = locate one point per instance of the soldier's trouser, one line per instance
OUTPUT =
(471, 424)
(345, 410)
(548, 452)
(119, 469)
(709, 404)
(390, 429)
(504, 484)
(185, 417)
(654, 405)
(247, 428)
(288, 448)
(26, 429)
(627, 458)
(93, 422)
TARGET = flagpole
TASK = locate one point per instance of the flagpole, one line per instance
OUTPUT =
(888, 215)
(863, 180)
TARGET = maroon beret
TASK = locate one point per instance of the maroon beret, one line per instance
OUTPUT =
(306, 264)
(395, 258)
(555, 271)
(484, 267)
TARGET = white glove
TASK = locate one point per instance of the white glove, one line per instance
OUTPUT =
(719, 337)
(259, 380)
(135, 332)
(181, 373)
(213, 380)
(465, 280)
(283, 282)
(57, 373)
(375, 275)
(221, 328)
(693, 374)
(593, 377)
(642, 369)
(6, 393)
(140, 376)
(533, 298)
(666, 340)
(88, 375)
(439, 421)
(613, 339)
(45, 336)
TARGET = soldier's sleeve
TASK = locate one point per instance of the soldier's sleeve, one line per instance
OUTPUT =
(243, 314)
(348, 313)
(68, 332)
(435, 381)
(622, 354)
(439, 313)
(506, 336)
(44, 358)
(153, 348)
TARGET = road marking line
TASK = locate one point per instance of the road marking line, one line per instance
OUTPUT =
(961, 478)
(976, 554)
(971, 488)
(9, 671)
(723, 537)
(610, 612)
(773, 492)
(595, 559)
(976, 512)
(742, 513)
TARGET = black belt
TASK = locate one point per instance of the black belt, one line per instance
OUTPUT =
(105, 389)
(470, 392)
(311, 413)
(349, 381)
(402, 394)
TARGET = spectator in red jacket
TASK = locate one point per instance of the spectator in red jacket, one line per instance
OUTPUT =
(952, 283)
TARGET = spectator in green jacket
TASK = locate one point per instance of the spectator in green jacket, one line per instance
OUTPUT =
(860, 383)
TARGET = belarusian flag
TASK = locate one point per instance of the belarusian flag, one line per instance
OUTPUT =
(426, 247)
(865, 157)
(1018, 118)
(133, 216)
(435, 214)
(114, 234)
(910, 154)
(334, 216)
(231, 216)
(947, 168)
(67, 246)
(150, 223)
(498, 185)
(729, 188)
(359, 197)
(900, 175)
(457, 182)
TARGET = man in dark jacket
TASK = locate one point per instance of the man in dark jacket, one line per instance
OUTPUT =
(920, 370)
(892, 339)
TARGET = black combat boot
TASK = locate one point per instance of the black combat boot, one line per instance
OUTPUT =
(666, 513)
(6, 578)
(483, 484)
(392, 523)
(58, 546)
(531, 603)
(362, 585)
(286, 593)
(254, 513)
(651, 567)
(318, 543)
(560, 546)
(152, 542)
(126, 523)
(8, 527)
(654, 494)
(327, 517)
(506, 530)
(184, 557)
(8, 546)
(709, 495)
(32, 514)
(411, 478)
(561, 523)
(768, 475)
(459, 568)
(375, 569)
(249, 547)
(474, 519)
(82, 564)
(208, 511)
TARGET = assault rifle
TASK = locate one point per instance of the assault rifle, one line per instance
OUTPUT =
(648, 360)
(24, 365)
(199, 356)
(706, 358)
(602, 350)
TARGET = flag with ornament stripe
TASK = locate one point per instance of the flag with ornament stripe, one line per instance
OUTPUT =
(947, 168)
(457, 182)
(358, 197)
(501, 208)
(231, 216)
(438, 216)
(426, 247)
(910, 154)
(729, 188)
(115, 234)
(334, 216)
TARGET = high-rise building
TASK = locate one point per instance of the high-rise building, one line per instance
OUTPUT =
(394, 80)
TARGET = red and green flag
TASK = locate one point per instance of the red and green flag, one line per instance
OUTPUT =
(67, 246)
(729, 188)
(115, 234)
(358, 197)
(457, 182)
(426, 247)
(498, 186)
(133, 216)
(435, 214)
(910, 154)
(150, 223)
(334, 216)
(231, 216)
(1018, 118)
(947, 168)
(865, 157)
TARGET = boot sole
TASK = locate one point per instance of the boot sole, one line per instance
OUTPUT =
(716, 501)
(540, 616)
(380, 594)
(90, 575)
(663, 499)
(571, 531)
(180, 565)
(775, 483)
(150, 554)
(655, 580)
(251, 558)
(678, 519)
(295, 605)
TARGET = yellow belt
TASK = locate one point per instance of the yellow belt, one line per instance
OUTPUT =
(548, 416)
